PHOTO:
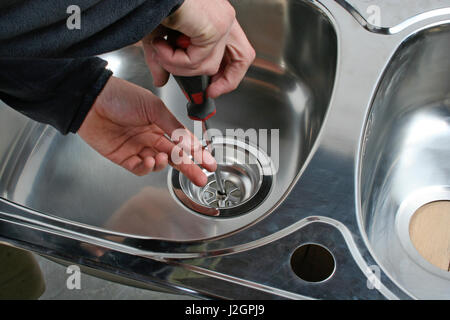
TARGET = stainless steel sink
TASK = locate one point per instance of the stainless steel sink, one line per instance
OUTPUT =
(406, 158)
(288, 89)
(363, 117)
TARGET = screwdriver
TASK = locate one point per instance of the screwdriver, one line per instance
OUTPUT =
(199, 107)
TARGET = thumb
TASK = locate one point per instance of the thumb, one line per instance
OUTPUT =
(160, 76)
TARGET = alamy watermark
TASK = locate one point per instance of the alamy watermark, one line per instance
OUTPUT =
(373, 274)
(374, 15)
(73, 281)
(73, 22)
(262, 140)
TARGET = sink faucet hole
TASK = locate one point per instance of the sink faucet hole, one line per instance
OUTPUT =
(430, 233)
(313, 263)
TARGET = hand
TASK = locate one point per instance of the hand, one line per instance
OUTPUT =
(127, 125)
(219, 47)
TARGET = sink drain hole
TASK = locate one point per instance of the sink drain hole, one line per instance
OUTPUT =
(313, 263)
(246, 174)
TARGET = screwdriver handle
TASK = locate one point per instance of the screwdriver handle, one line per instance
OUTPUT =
(199, 107)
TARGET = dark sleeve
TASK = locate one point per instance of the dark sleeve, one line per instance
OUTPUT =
(38, 28)
(58, 92)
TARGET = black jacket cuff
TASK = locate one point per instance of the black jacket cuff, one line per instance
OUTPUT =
(89, 99)
(58, 92)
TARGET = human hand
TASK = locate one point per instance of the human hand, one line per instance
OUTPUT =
(218, 46)
(128, 125)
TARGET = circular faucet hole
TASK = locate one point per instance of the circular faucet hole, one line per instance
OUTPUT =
(430, 233)
(312, 263)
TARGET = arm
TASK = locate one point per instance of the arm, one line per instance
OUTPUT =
(60, 92)
(123, 122)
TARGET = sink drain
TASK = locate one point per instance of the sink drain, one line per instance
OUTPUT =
(247, 176)
(212, 197)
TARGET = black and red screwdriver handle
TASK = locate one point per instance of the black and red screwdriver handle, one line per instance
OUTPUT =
(199, 107)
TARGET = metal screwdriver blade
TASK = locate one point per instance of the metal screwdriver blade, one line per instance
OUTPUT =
(217, 174)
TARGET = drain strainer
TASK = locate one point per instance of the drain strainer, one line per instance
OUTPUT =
(247, 176)
(212, 197)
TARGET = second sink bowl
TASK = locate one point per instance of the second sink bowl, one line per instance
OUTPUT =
(405, 160)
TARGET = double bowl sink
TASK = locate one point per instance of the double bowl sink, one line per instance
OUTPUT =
(361, 117)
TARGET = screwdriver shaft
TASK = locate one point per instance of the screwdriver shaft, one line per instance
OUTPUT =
(210, 147)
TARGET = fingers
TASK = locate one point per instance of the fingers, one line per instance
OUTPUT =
(128, 125)
(151, 121)
(180, 160)
(227, 60)
(161, 159)
(218, 46)
(145, 162)
(207, 23)
(159, 74)
(151, 151)
(238, 57)
(187, 141)
(139, 166)
(157, 113)
(195, 60)
(164, 119)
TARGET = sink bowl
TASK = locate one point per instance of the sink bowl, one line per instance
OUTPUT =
(405, 161)
(288, 88)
